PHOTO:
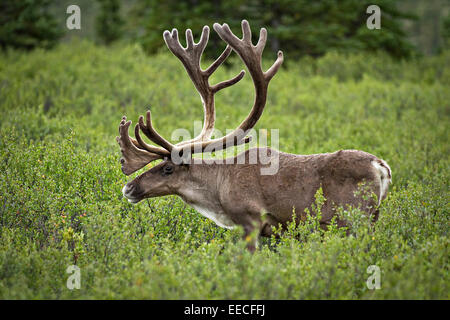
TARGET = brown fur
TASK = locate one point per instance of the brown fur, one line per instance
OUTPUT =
(242, 194)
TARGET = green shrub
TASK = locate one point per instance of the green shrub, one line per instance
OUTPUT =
(60, 180)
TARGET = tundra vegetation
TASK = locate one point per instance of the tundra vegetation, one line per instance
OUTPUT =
(60, 180)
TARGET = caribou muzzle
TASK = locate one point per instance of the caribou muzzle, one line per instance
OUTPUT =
(132, 193)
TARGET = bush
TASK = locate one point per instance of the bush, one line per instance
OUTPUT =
(60, 181)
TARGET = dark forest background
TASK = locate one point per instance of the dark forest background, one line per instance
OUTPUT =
(299, 27)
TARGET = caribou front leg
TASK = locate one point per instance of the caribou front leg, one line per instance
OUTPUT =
(250, 237)
(253, 228)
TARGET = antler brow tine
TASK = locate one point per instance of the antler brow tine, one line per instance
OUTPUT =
(133, 157)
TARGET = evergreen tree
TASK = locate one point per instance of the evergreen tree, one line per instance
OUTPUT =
(298, 27)
(27, 24)
(109, 23)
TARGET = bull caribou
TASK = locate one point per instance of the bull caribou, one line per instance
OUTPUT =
(235, 192)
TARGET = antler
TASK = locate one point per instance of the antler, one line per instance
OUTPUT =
(190, 57)
(251, 55)
(137, 153)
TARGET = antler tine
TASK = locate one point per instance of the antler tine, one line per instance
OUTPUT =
(189, 39)
(227, 83)
(223, 56)
(274, 68)
(204, 38)
(153, 135)
(172, 42)
(145, 146)
(246, 32)
(226, 34)
(262, 41)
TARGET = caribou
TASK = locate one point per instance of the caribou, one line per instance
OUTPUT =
(236, 192)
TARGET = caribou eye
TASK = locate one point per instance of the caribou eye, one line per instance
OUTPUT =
(167, 170)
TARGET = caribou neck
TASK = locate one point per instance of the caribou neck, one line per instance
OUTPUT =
(200, 185)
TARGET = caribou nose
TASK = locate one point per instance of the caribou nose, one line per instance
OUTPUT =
(128, 190)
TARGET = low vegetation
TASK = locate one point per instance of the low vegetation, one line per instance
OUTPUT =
(60, 180)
